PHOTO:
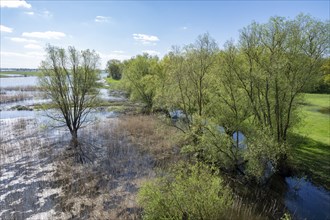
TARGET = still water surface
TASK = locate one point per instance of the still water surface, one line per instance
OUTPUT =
(18, 81)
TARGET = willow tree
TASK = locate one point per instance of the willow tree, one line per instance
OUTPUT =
(139, 78)
(69, 80)
(278, 61)
(114, 68)
(272, 65)
(190, 78)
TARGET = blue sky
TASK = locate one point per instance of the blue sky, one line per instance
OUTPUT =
(122, 29)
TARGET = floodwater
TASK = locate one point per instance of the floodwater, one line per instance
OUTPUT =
(38, 179)
(18, 81)
(7, 110)
(306, 200)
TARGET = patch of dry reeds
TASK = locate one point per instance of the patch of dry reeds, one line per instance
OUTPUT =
(151, 135)
(21, 88)
(121, 152)
(4, 98)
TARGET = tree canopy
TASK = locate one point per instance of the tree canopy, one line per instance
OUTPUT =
(114, 68)
(252, 87)
(69, 79)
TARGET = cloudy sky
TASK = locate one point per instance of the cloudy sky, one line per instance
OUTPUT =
(122, 29)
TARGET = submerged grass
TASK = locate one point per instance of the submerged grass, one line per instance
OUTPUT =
(124, 153)
(14, 97)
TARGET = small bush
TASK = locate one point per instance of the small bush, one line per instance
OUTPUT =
(187, 192)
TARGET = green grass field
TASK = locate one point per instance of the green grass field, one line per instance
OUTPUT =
(114, 84)
(315, 122)
(23, 73)
(311, 139)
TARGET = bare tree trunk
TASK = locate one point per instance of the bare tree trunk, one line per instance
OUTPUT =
(74, 139)
(77, 151)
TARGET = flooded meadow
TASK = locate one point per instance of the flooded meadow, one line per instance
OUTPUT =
(39, 178)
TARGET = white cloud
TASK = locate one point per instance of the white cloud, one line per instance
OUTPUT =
(44, 35)
(5, 29)
(102, 19)
(22, 40)
(29, 13)
(44, 14)
(151, 52)
(184, 28)
(14, 4)
(33, 46)
(145, 39)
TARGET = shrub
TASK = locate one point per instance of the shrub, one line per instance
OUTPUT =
(185, 192)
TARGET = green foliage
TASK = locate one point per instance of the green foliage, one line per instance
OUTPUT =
(114, 84)
(262, 154)
(213, 146)
(323, 84)
(114, 68)
(286, 216)
(253, 87)
(140, 79)
(283, 58)
(186, 192)
(189, 77)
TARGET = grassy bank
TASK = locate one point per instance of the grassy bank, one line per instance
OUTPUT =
(311, 139)
(114, 84)
(316, 118)
(22, 73)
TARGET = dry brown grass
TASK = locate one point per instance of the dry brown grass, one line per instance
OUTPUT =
(151, 135)
(20, 124)
(14, 98)
(124, 153)
(21, 88)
